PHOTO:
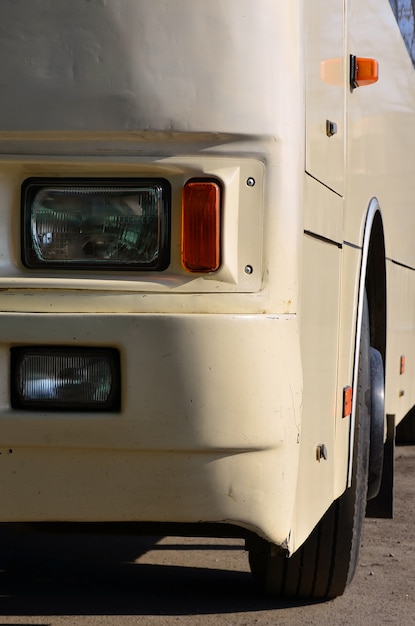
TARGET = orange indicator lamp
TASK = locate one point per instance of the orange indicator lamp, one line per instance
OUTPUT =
(201, 226)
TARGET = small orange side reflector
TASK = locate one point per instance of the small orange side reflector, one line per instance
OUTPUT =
(402, 365)
(201, 226)
(363, 71)
(347, 401)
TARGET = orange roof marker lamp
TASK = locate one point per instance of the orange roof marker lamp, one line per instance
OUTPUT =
(363, 71)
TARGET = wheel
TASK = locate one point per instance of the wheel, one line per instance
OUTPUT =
(325, 564)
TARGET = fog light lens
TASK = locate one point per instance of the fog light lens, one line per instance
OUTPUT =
(116, 224)
(65, 379)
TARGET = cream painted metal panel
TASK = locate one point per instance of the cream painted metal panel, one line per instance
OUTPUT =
(202, 434)
(323, 214)
(381, 139)
(400, 390)
(323, 211)
(76, 485)
(188, 381)
(382, 131)
(319, 325)
(325, 82)
(135, 64)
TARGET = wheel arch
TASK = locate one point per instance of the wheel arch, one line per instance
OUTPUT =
(373, 284)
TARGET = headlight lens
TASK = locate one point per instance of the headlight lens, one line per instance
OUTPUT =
(118, 224)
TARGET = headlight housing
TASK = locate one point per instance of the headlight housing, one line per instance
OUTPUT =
(99, 223)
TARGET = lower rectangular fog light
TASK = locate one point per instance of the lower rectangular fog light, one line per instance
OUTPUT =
(65, 379)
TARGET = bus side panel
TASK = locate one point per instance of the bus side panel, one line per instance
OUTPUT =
(381, 136)
(400, 370)
(319, 324)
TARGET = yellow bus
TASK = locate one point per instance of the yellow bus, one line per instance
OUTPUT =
(207, 295)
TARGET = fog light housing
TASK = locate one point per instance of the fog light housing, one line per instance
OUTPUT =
(96, 223)
(65, 379)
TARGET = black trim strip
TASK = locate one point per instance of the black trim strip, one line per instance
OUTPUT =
(324, 239)
(408, 267)
(324, 185)
(352, 245)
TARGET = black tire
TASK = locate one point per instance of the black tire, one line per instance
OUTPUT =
(326, 563)
(377, 423)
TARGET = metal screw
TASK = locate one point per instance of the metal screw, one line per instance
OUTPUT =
(250, 181)
(249, 269)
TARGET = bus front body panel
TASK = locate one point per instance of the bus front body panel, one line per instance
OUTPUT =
(201, 434)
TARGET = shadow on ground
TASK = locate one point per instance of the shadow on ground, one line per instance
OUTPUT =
(65, 574)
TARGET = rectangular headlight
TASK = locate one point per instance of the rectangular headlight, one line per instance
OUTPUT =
(64, 378)
(107, 224)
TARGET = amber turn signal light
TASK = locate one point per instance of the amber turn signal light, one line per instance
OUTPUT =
(201, 226)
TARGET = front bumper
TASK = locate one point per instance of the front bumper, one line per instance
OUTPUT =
(208, 431)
